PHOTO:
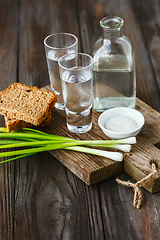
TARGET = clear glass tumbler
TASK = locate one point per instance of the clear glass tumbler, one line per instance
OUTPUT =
(77, 86)
(57, 45)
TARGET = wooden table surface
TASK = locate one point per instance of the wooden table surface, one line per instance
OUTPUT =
(40, 199)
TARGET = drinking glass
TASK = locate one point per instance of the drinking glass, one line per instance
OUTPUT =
(57, 45)
(77, 86)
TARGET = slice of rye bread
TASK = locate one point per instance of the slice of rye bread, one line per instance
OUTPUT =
(14, 124)
(26, 103)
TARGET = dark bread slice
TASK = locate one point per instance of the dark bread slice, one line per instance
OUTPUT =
(26, 103)
(14, 124)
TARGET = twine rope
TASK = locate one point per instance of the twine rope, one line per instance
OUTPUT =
(137, 201)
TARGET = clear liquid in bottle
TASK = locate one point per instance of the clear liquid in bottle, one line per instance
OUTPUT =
(113, 83)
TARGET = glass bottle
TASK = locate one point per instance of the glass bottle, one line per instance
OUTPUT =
(114, 80)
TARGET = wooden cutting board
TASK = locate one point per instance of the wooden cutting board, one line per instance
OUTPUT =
(92, 169)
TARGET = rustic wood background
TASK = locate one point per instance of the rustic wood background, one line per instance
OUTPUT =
(39, 198)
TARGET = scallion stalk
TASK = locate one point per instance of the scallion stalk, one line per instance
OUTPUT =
(37, 141)
(116, 156)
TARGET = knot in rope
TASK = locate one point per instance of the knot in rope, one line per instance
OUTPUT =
(137, 201)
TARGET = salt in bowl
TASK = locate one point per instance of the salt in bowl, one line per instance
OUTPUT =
(122, 122)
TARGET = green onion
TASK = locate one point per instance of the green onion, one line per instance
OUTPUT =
(116, 156)
(34, 141)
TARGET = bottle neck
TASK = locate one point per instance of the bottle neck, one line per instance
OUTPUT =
(111, 27)
(108, 33)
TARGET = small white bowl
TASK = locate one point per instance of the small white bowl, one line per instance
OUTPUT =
(121, 112)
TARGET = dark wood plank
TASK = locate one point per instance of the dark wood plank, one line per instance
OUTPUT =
(121, 220)
(38, 20)
(8, 42)
(87, 25)
(150, 32)
(55, 211)
(8, 74)
(150, 53)
(42, 207)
